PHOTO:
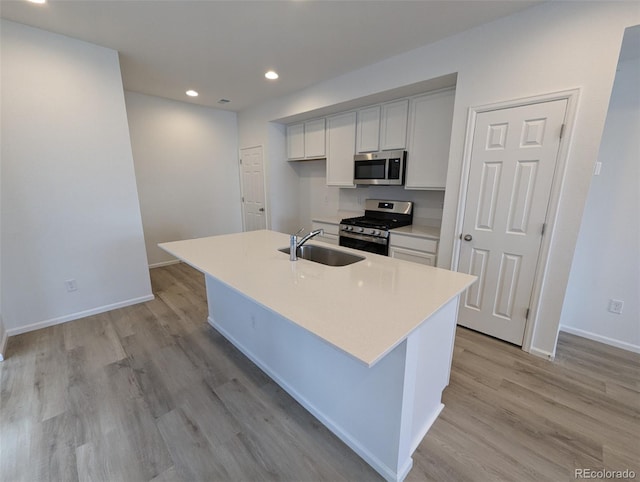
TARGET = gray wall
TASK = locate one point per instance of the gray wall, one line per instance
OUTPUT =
(186, 162)
(606, 263)
(69, 202)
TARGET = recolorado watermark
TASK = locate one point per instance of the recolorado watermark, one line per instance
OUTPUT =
(604, 474)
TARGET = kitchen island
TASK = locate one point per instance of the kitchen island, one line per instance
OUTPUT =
(366, 348)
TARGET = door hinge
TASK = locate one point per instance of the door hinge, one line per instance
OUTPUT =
(544, 227)
(562, 130)
(526, 315)
(242, 198)
(240, 160)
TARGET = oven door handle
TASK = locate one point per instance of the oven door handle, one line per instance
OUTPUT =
(364, 237)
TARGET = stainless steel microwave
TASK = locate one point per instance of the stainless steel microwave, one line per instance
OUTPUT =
(384, 168)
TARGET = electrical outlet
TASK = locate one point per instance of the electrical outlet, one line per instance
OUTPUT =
(615, 306)
(597, 168)
(71, 285)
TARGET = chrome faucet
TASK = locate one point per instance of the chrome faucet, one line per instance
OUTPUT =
(294, 244)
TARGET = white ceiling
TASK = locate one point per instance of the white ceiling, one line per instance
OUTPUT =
(223, 48)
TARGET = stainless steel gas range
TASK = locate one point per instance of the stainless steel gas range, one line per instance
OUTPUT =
(371, 231)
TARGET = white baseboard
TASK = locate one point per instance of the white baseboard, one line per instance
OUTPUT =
(77, 315)
(164, 263)
(602, 339)
(541, 353)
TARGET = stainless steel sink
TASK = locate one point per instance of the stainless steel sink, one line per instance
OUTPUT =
(328, 256)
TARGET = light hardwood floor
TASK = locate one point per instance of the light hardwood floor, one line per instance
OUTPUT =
(152, 392)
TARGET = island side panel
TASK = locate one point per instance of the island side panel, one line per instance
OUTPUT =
(430, 348)
(361, 405)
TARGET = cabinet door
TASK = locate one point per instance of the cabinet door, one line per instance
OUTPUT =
(330, 230)
(369, 129)
(341, 143)
(393, 126)
(430, 118)
(295, 141)
(413, 256)
(314, 140)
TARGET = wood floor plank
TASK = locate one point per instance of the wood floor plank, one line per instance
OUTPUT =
(57, 444)
(98, 336)
(17, 391)
(169, 475)
(152, 393)
(16, 463)
(190, 450)
(312, 437)
(51, 374)
(514, 427)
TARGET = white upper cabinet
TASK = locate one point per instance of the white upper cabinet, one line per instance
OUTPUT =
(306, 140)
(341, 144)
(368, 137)
(383, 127)
(295, 141)
(430, 119)
(314, 138)
(393, 125)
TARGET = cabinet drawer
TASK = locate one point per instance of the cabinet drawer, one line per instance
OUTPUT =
(413, 256)
(329, 229)
(410, 242)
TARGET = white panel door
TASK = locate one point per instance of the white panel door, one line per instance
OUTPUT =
(253, 203)
(513, 161)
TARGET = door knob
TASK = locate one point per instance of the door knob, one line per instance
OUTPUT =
(261, 210)
(467, 237)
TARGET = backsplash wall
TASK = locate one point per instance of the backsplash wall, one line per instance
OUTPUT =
(317, 200)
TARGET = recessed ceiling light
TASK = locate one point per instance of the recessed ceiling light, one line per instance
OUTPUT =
(37, 1)
(271, 75)
(224, 101)
(191, 93)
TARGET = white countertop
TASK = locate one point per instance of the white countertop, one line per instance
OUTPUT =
(364, 309)
(419, 231)
(416, 230)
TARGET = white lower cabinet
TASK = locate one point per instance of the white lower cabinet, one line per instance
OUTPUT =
(330, 232)
(412, 255)
(414, 249)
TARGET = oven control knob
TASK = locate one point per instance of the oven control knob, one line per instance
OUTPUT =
(372, 232)
(361, 230)
(375, 232)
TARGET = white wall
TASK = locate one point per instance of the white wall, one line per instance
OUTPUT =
(3, 331)
(69, 201)
(186, 162)
(316, 199)
(552, 47)
(606, 264)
